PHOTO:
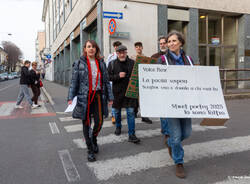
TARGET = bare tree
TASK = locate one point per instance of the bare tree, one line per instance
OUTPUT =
(14, 55)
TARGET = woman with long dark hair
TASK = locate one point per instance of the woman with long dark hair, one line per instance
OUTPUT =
(91, 86)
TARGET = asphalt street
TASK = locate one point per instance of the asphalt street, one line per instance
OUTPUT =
(46, 146)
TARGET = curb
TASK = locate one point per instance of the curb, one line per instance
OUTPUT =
(237, 96)
(48, 96)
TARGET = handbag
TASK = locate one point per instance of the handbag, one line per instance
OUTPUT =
(40, 83)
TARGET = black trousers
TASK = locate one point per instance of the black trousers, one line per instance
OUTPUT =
(96, 113)
(36, 93)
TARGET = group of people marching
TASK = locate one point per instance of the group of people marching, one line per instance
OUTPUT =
(91, 83)
(29, 79)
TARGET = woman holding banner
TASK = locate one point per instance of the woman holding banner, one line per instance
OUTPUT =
(91, 86)
(178, 128)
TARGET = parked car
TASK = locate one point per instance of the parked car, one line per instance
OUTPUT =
(10, 76)
(14, 74)
(2, 77)
(5, 76)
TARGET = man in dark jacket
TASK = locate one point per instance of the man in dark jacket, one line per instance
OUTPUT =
(163, 47)
(119, 73)
(24, 86)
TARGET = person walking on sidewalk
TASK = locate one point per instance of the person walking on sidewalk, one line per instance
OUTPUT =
(179, 128)
(91, 86)
(35, 85)
(110, 58)
(138, 50)
(119, 73)
(24, 87)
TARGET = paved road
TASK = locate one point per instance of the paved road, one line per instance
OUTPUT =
(46, 146)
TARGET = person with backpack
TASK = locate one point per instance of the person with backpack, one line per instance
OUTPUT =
(179, 129)
(91, 86)
(119, 73)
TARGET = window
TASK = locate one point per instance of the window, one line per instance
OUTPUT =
(217, 32)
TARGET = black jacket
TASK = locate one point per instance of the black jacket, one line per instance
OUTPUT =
(120, 85)
(25, 76)
(79, 87)
(34, 78)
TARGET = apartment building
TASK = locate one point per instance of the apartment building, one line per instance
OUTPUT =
(40, 45)
(217, 33)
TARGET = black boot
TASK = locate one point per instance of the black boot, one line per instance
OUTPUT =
(95, 145)
(118, 131)
(132, 138)
(91, 156)
(147, 120)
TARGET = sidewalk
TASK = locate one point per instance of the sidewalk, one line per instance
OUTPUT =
(57, 95)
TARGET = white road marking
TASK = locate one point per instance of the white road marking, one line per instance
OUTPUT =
(68, 166)
(62, 112)
(53, 127)
(111, 138)
(63, 119)
(107, 169)
(8, 87)
(39, 110)
(106, 124)
(236, 180)
(6, 109)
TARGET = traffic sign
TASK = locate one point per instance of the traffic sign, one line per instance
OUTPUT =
(48, 56)
(112, 26)
(113, 15)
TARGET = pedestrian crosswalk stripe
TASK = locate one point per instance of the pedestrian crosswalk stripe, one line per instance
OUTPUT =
(111, 138)
(6, 109)
(107, 169)
(63, 119)
(106, 124)
(236, 180)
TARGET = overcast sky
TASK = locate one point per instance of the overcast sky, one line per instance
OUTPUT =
(21, 18)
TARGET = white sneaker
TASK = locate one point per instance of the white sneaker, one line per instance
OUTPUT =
(18, 107)
(33, 106)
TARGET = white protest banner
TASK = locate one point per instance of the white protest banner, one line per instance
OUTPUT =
(181, 92)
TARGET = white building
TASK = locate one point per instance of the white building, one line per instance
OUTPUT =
(216, 32)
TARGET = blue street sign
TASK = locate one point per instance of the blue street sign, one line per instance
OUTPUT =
(48, 56)
(113, 15)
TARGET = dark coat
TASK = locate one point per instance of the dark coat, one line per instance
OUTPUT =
(158, 54)
(79, 87)
(25, 76)
(171, 60)
(34, 78)
(120, 85)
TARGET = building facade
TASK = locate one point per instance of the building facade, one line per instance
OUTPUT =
(40, 45)
(217, 33)
(3, 60)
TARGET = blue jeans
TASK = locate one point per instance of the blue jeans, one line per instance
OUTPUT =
(164, 126)
(179, 129)
(113, 112)
(24, 91)
(130, 119)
